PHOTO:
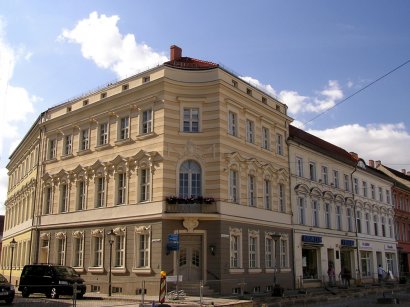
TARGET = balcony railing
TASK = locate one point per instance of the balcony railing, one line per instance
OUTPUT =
(190, 205)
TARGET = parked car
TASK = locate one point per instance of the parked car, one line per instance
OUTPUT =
(6, 290)
(52, 280)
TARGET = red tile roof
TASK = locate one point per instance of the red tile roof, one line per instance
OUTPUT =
(190, 64)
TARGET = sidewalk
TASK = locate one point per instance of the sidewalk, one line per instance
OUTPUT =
(187, 301)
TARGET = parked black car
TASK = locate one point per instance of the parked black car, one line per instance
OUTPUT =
(52, 280)
(6, 290)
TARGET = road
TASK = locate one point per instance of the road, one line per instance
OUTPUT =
(39, 301)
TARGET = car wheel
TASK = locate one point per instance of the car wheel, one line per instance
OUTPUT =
(25, 292)
(9, 300)
(53, 293)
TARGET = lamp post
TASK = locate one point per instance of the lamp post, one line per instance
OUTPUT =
(13, 244)
(111, 241)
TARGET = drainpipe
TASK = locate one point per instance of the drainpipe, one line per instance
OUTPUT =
(355, 223)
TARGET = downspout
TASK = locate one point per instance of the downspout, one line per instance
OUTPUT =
(355, 223)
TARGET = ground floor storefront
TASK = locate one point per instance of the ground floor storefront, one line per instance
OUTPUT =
(225, 256)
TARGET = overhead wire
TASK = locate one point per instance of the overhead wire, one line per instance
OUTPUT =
(358, 91)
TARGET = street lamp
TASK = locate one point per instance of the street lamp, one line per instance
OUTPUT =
(275, 238)
(13, 244)
(111, 237)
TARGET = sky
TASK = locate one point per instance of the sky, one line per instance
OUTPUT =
(317, 56)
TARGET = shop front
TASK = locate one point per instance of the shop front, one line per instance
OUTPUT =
(311, 257)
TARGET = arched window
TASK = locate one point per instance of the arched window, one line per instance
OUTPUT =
(190, 179)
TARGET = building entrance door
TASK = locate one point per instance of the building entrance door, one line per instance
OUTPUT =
(190, 257)
(346, 260)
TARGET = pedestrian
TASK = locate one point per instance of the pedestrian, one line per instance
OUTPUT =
(380, 273)
(348, 276)
(342, 276)
(331, 275)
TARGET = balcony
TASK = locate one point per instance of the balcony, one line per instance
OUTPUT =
(190, 205)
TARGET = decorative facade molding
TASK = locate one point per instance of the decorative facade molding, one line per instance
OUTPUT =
(190, 223)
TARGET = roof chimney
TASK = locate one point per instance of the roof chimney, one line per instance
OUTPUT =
(378, 163)
(371, 163)
(176, 52)
(354, 155)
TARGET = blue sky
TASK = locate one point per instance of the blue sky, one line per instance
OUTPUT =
(310, 54)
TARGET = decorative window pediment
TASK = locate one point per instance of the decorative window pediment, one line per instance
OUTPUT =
(60, 235)
(78, 234)
(142, 229)
(119, 231)
(235, 231)
(97, 232)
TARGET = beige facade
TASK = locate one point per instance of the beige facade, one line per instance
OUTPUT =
(19, 221)
(343, 214)
(186, 148)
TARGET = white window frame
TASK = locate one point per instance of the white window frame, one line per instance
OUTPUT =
(48, 200)
(302, 210)
(234, 186)
(97, 250)
(250, 131)
(147, 121)
(191, 120)
(328, 214)
(279, 144)
(269, 252)
(142, 259)
(61, 250)
(119, 251)
(267, 194)
(336, 179)
(100, 192)
(312, 171)
(376, 225)
(347, 182)
(121, 188)
(253, 250)
(284, 252)
(64, 197)
(252, 188)
(103, 134)
(315, 213)
(299, 166)
(85, 139)
(145, 184)
(339, 225)
(235, 250)
(78, 250)
(265, 138)
(52, 149)
(68, 145)
(325, 174)
(349, 217)
(281, 198)
(81, 195)
(233, 123)
(124, 128)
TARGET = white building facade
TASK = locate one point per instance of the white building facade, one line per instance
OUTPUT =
(342, 213)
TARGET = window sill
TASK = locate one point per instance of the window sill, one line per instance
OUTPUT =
(254, 271)
(66, 157)
(119, 270)
(103, 147)
(83, 152)
(142, 270)
(79, 270)
(124, 142)
(236, 271)
(97, 270)
(144, 136)
(48, 161)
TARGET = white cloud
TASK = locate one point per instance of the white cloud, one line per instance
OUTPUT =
(389, 143)
(297, 103)
(102, 42)
(16, 104)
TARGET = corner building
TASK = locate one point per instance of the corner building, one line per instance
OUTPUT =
(185, 149)
(342, 213)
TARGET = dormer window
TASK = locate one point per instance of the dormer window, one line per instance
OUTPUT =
(103, 95)
(264, 100)
(85, 102)
(69, 109)
(146, 79)
(249, 91)
(125, 87)
(235, 83)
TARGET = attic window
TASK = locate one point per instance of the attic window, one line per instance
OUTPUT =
(69, 109)
(249, 91)
(85, 102)
(264, 100)
(146, 79)
(103, 95)
(235, 83)
(125, 87)
(278, 107)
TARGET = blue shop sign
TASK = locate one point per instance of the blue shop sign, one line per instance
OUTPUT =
(173, 237)
(312, 239)
(347, 242)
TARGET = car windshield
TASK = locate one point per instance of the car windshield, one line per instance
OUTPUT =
(2, 278)
(66, 271)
